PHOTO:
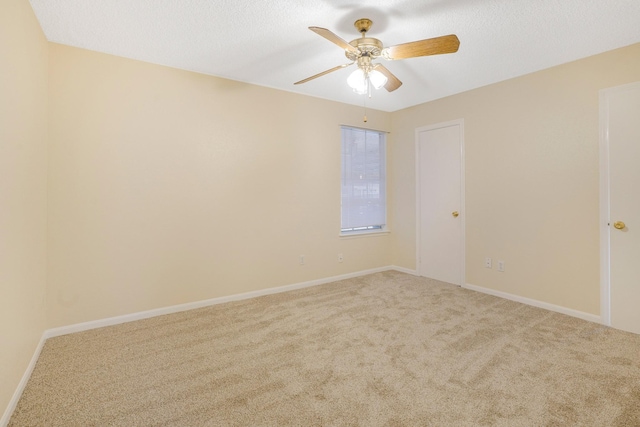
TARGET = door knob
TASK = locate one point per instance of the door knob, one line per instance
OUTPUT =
(619, 225)
(455, 214)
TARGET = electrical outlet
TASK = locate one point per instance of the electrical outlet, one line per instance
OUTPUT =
(487, 262)
(501, 266)
(301, 259)
(340, 258)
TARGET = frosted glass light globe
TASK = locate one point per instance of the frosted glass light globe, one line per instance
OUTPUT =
(358, 81)
(377, 79)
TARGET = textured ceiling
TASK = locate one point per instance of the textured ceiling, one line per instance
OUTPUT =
(267, 42)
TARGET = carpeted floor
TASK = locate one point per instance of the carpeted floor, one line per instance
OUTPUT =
(387, 349)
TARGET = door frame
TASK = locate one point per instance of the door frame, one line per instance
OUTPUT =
(605, 202)
(463, 214)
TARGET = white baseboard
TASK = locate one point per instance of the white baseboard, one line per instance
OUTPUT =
(540, 304)
(4, 421)
(404, 270)
(79, 327)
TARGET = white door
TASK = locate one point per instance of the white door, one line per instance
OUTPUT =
(621, 135)
(440, 202)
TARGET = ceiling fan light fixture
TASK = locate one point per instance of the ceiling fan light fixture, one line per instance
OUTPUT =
(358, 82)
(377, 79)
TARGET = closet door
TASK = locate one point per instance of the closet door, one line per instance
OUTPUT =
(621, 133)
(440, 202)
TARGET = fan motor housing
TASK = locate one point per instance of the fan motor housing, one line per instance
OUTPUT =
(368, 46)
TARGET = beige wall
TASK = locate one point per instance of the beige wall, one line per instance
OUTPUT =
(23, 152)
(531, 178)
(167, 187)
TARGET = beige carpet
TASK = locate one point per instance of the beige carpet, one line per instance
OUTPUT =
(387, 349)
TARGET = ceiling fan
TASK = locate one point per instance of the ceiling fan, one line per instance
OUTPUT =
(364, 50)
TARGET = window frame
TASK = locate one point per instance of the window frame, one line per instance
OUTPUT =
(374, 229)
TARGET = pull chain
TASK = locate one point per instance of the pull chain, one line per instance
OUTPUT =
(365, 109)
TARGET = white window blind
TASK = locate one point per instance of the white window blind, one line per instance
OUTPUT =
(364, 204)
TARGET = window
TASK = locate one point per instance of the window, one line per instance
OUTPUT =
(364, 206)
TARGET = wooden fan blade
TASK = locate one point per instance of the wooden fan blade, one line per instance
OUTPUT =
(334, 39)
(393, 82)
(434, 46)
(323, 73)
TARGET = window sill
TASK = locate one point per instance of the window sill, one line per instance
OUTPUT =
(365, 233)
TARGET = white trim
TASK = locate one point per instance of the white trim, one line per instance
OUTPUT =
(535, 303)
(463, 215)
(404, 270)
(463, 210)
(79, 327)
(605, 283)
(4, 421)
(365, 233)
(362, 128)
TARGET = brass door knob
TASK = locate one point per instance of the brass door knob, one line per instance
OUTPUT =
(619, 225)
(455, 214)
